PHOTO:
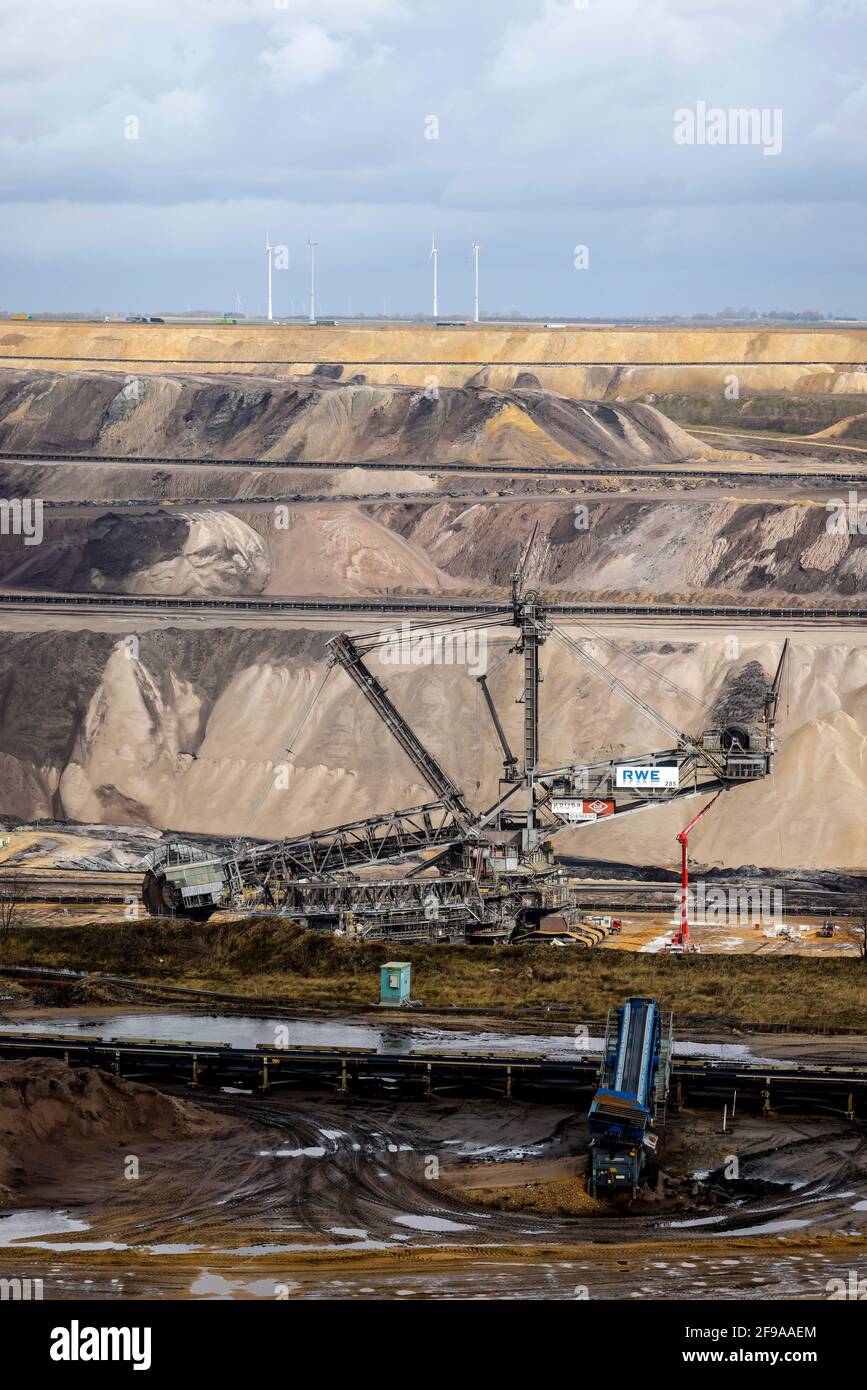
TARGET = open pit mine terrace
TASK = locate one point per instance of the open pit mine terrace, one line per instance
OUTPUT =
(549, 401)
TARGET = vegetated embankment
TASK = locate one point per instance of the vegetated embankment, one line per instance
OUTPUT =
(270, 957)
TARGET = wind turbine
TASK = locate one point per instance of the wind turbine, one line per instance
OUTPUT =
(313, 245)
(268, 250)
(433, 256)
(476, 249)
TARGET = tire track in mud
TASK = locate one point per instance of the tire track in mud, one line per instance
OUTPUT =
(367, 1180)
(362, 1181)
(352, 1176)
(816, 1179)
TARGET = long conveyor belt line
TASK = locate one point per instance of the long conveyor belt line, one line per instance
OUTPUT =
(365, 1071)
(648, 612)
(576, 469)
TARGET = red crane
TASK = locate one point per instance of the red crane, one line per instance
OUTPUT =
(681, 938)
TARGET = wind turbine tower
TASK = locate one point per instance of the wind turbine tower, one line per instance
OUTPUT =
(312, 245)
(433, 256)
(268, 252)
(476, 250)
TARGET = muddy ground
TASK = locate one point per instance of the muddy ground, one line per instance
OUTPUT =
(304, 1197)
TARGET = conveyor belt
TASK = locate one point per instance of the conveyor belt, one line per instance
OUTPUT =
(429, 1072)
(566, 469)
(648, 612)
(629, 1075)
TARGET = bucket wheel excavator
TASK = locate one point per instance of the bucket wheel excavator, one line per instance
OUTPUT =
(453, 872)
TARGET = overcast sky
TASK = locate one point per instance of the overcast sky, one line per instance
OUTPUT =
(556, 129)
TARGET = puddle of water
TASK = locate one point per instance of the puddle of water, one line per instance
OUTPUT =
(718, 1052)
(469, 1148)
(238, 1030)
(20, 1225)
(431, 1223)
(791, 1224)
(216, 1286)
(694, 1221)
(27, 1229)
(651, 948)
(243, 1031)
(313, 1152)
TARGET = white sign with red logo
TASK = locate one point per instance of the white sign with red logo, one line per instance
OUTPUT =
(575, 809)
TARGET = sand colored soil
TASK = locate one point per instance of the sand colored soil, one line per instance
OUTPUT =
(850, 427)
(810, 361)
(185, 732)
(51, 1115)
(510, 343)
(342, 550)
(317, 418)
(564, 1195)
(608, 549)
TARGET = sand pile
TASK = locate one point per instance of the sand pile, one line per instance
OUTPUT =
(762, 550)
(187, 734)
(196, 553)
(52, 1115)
(619, 549)
(341, 550)
(318, 418)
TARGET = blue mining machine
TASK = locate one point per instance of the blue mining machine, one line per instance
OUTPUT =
(627, 1114)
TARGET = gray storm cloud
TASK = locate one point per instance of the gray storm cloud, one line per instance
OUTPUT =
(143, 151)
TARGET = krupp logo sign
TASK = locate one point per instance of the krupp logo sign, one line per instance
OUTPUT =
(644, 777)
(577, 809)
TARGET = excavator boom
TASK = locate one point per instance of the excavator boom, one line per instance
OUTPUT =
(346, 654)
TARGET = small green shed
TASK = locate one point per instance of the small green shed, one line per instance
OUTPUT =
(394, 984)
